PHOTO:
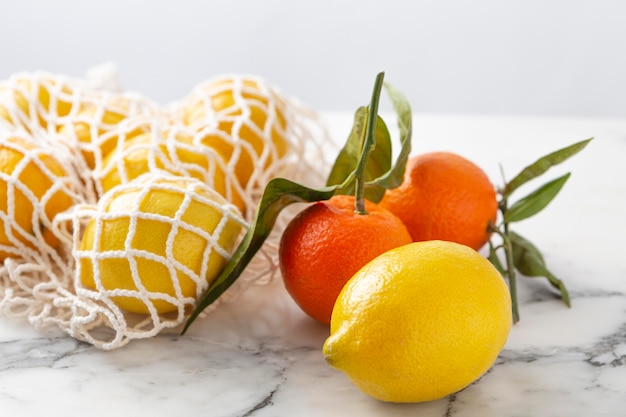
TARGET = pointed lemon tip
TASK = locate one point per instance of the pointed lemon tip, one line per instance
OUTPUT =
(329, 352)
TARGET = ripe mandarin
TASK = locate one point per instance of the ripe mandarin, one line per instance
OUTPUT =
(324, 245)
(444, 197)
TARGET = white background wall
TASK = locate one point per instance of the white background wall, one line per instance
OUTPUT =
(534, 57)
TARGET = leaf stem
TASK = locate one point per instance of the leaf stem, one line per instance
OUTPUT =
(510, 272)
(368, 142)
(507, 246)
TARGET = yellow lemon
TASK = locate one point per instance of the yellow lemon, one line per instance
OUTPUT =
(37, 99)
(5, 113)
(138, 156)
(245, 118)
(30, 176)
(157, 242)
(420, 322)
(171, 151)
(204, 163)
(96, 117)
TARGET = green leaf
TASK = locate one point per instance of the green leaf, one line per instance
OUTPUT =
(349, 155)
(528, 260)
(278, 194)
(536, 201)
(524, 250)
(394, 177)
(542, 165)
(379, 161)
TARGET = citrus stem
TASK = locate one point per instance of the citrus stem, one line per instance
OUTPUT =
(510, 271)
(368, 142)
(507, 247)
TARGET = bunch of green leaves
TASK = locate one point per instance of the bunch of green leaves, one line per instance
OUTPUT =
(519, 253)
(364, 167)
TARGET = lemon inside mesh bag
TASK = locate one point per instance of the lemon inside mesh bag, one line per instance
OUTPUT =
(96, 114)
(146, 146)
(154, 245)
(55, 106)
(35, 186)
(38, 183)
(267, 133)
(247, 122)
(37, 101)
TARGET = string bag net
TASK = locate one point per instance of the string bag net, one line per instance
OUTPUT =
(145, 144)
(47, 106)
(249, 123)
(260, 133)
(255, 135)
(38, 181)
(37, 102)
(144, 255)
(88, 126)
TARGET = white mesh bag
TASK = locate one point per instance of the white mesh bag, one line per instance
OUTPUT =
(228, 138)
(38, 102)
(145, 253)
(38, 181)
(247, 122)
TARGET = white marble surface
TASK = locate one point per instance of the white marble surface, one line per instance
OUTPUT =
(260, 356)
